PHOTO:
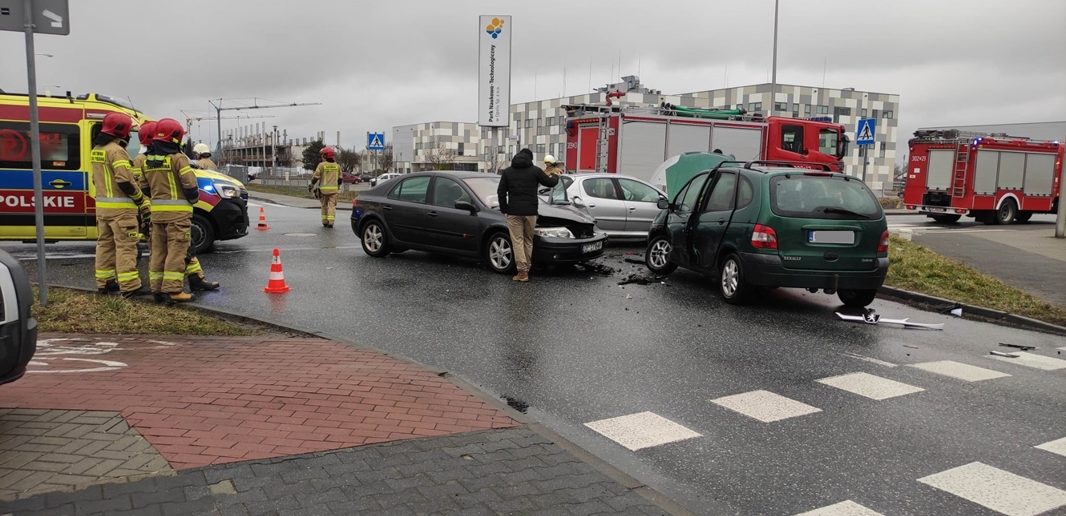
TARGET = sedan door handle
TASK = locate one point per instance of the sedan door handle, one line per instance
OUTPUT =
(387, 207)
(432, 214)
(633, 209)
(720, 222)
(592, 206)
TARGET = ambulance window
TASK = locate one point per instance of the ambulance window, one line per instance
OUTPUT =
(60, 146)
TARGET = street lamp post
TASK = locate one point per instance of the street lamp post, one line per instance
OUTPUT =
(773, 72)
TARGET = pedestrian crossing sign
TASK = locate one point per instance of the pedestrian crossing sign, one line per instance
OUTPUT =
(864, 132)
(375, 141)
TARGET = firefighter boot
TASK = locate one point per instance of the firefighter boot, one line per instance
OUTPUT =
(180, 297)
(196, 283)
(110, 288)
(142, 291)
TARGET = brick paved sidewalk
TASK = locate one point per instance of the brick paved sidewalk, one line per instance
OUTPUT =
(106, 424)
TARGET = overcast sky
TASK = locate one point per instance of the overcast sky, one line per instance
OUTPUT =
(398, 62)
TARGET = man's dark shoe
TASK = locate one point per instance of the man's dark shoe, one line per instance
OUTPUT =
(110, 288)
(196, 283)
(134, 293)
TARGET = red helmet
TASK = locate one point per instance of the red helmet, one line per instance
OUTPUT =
(146, 132)
(117, 125)
(168, 130)
(328, 152)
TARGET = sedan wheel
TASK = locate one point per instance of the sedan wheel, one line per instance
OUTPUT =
(499, 254)
(657, 257)
(375, 243)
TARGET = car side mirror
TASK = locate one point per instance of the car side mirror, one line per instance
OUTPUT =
(463, 205)
(663, 204)
(804, 151)
(18, 329)
(576, 201)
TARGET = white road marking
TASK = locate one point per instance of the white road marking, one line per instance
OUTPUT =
(845, 508)
(960, 371)
(641, 430)
(1057, 446)
(1033, 360)
(765, 406)
(871, 386)
(999, 490)
(870, 359)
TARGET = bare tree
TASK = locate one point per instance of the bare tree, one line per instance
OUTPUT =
(441, 157)
(348, 159)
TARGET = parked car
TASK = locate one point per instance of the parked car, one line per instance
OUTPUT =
(624, 207)
(366, 177)
(458, 213)
(384, 177)
(18, 328)
(774, 226)
(347, 177)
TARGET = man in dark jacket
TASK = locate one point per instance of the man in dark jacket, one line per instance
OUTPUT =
(518, 201)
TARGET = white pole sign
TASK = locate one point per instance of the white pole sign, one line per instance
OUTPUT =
(494, 70)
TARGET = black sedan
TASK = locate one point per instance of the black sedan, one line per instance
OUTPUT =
(458, 213)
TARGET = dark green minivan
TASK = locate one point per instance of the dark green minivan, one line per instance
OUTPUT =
(769, 224)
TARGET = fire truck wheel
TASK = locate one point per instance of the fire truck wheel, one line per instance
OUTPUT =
(1023, 217)
(1006, 212)
(946, 219)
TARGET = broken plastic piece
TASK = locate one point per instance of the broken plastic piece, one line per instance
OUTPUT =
(871, 317)
(1002, 354)
(1022, 347)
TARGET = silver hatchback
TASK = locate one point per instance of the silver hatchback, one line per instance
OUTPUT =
(624, 207)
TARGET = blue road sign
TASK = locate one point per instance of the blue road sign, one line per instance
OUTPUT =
(375, 141)
(864, 132)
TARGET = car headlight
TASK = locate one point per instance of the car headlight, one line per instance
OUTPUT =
(227, 190)
(553, 232)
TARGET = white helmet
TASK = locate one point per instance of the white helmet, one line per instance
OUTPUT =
(550, 160)
(201, 148)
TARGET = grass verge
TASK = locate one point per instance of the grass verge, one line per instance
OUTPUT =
(297, 191)
(918, 269)
(72, 311)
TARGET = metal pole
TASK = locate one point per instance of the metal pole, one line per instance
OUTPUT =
(35, 149)
(773, 79)
(863, 152)
(1060, 222)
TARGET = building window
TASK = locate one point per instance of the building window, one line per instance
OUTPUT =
(529, 123)
(540, 150)
(823, 110)
(806, 109)
(882, 149)
(841, 111)
(795, 108)
(874, 113)
(888, 113)
(863, 112)
(459, 151)
(780, 106)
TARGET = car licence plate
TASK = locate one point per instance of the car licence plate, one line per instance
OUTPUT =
(831, 237)
(938, 210)
(588, 248)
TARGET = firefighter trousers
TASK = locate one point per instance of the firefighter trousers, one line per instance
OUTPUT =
(170, 246)
(329, 207)
(116, 251)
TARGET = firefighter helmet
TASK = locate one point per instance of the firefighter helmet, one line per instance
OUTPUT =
(328, 152)
(146, 132)
(117, 125)
(201, 148)
(168, 130)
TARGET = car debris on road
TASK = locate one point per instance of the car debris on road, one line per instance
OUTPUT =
(872, 317)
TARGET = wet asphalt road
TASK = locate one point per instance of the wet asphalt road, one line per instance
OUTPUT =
(578, 348)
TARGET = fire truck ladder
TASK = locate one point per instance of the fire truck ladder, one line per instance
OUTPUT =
(603, 142)
(962, 164)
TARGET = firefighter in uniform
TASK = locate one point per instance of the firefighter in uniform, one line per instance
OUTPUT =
(118, 200)
(203, 157)
(328, 177)
(174, 191)
(193, 270)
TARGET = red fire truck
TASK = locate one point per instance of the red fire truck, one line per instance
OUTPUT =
(995, 178)
(634, 140)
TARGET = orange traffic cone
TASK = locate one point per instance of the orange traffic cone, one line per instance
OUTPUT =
(262, 226)
(276, 284)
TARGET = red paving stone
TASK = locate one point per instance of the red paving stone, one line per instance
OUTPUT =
(211, 400)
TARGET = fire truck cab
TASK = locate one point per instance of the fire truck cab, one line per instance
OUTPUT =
(995, 178)
(635, 140)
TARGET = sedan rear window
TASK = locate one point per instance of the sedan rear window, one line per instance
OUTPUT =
(822, 197)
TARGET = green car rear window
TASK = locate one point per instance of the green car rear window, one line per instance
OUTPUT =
(822, 197)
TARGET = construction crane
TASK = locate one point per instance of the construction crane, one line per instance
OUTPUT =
(219, 108)
(189, 119)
